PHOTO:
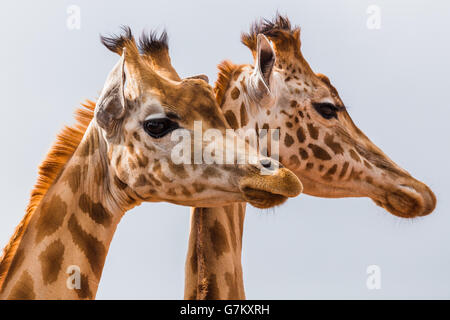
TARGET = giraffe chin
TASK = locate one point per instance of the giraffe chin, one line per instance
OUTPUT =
(262, 199)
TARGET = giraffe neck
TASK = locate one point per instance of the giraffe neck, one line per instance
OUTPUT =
(213, 264)
(73, 225)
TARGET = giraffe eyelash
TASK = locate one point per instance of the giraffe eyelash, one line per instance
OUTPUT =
(327, 110)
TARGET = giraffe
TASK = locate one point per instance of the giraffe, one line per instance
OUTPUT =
(116, 157)
(318, 141)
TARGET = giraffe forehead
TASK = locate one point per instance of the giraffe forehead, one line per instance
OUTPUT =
(302, 81)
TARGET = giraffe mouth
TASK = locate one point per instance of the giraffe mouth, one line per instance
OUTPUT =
(408, 202)
(262, 199)
(265, 191)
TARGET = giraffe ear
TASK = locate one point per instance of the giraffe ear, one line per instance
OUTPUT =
(111, 104)
(264, 62)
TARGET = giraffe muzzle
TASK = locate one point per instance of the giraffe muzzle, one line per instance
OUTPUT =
(265, 191)
(411, 200)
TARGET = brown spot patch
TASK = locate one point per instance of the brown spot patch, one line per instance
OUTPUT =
(235, 93)
(231, 119)
(244, 116)
(136, 136)
(91, 247)
(343, 170)
(336, 147)
(230, 214)
(354, 155)
(211, 172)
(84, 292)
(309, 166)
(171, 192)
(185, 191)
(293, 161)
(194, 262)
(198, 187)
(141, 181)
(301, 134)
(83, 149)
(150, 148)
(313, 131)
(51, 260)
(355, 175)
(99, 175)
(131, 164)
(142, 161)
(73, 177)
(89, 146)
(212, 291)
(154, 180)
(23, 289)
(303, 153)
(288, 140)
(219, 239)
(178, 169)
(130, 147)
(318, 152)
(95, 210)
(293, 104)
(328, 176)
(51, 217)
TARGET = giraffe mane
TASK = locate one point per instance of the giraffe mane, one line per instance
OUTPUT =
(63, 148)
(227, 71)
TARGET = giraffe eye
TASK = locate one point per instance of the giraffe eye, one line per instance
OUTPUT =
(326, 109)
(158, 128)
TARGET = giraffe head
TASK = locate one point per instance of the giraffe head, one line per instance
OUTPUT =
(318, 139)
(143, 104)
